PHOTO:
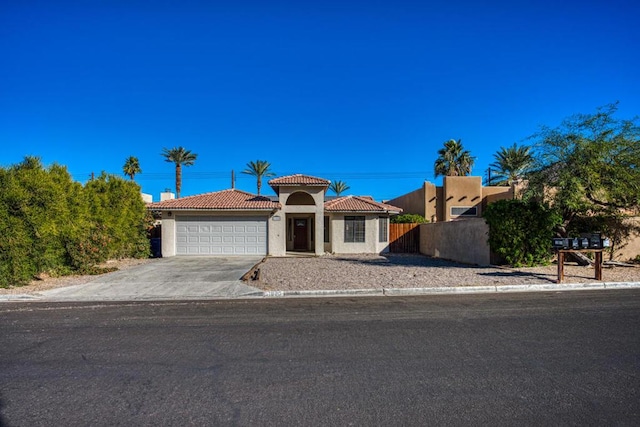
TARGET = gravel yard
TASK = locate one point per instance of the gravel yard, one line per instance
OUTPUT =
(332, 272)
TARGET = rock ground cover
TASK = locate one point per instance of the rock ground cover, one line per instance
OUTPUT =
(333, 272)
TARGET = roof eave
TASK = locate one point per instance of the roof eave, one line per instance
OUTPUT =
(212, 209)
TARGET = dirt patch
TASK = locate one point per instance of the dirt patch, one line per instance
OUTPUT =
(331, 272)
(46, 282)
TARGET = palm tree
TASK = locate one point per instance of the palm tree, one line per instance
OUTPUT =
(131, 167)
(339, 187)
(453, 160)
(259, 169)
(511, 164)
(180, 156)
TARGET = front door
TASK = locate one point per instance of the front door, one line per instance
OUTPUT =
(300, 235)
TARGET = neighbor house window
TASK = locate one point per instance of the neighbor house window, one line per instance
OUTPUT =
(464, 211)
(354, 229)
(383, 229)
(326, 229)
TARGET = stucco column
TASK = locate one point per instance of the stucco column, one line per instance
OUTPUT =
(319, 228)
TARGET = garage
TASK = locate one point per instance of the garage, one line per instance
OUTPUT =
(201, 235)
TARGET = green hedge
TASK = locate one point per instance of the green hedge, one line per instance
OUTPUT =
(521, 232)
(52, 224)
(408, 219)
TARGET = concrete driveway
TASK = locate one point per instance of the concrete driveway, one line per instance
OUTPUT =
(172, 278)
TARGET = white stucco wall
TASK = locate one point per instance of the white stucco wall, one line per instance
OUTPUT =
(370, 244)
(277, 234)
(168, 235)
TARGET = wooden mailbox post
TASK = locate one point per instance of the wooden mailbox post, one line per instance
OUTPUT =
(598, 262)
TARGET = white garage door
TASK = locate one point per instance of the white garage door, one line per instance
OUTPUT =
(200, 235)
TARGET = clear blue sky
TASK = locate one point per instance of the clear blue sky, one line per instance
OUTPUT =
(362, 91)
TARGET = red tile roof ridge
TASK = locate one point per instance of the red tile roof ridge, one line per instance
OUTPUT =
(228, 199)
(299, 179)
(358, 203)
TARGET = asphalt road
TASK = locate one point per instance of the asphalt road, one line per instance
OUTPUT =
(519, 359)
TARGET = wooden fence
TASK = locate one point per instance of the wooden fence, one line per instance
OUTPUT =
(404, 238)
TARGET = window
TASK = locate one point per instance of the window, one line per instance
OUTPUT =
(383, 229)
(464, 211)
(354, 229)
(326, 229)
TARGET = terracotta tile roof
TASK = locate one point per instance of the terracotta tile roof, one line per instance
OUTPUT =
(219, 200)
(299, 179)
(358, 204)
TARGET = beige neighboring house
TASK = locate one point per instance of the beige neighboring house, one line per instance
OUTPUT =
(459, 197)
(234, 222)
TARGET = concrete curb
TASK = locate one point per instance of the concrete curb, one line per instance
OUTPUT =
(324, 293)
(452, 290)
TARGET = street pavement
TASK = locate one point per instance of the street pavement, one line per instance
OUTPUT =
(554, 358)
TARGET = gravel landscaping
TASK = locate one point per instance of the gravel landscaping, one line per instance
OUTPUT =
(331, 272)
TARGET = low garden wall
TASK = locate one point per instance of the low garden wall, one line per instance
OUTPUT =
(461, 241)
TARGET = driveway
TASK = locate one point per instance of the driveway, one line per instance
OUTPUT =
(172, 278)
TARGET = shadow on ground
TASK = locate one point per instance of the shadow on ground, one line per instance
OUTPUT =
(405, 260)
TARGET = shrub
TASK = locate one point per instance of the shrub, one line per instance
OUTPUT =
(50, 223)
(408, 219)
(521, 232)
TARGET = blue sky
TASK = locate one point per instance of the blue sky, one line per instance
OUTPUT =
(361, 91)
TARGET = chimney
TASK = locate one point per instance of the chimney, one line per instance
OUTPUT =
(167, 195)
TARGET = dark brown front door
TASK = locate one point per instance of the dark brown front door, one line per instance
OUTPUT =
(300, 234)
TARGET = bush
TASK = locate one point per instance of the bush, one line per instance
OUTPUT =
(50, 223)
(408, 219)
(521, 232)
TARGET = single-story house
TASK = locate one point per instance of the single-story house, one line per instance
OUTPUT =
(234, 222)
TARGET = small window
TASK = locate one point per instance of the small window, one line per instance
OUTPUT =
(464, 211)
(383, 229)
(326, 229)
(354, 229)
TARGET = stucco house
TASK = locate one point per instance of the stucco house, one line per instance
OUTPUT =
(459, 197)
(234, 222)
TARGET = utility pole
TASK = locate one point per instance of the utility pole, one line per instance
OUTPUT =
(233, 180)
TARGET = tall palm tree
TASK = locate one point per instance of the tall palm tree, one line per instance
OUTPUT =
(338, 187)
(180, 156)
(453, 160)
(131, 167)
(259, 169)
(511, 164)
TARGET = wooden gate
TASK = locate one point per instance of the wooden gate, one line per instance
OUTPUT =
(404, 238)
